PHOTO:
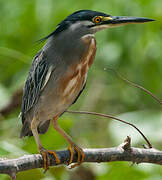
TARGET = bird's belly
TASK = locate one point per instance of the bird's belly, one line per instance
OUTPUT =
(55, 102)
(72, 86)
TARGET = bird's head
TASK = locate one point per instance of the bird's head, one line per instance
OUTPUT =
(94, 21)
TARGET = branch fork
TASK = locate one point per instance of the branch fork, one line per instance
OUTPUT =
(126, 145)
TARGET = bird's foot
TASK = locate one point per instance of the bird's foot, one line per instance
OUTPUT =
(46, 160)
(81, 155)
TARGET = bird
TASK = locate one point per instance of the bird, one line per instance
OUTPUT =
(58, 75)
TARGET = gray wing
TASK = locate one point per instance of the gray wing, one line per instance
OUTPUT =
(37, 78)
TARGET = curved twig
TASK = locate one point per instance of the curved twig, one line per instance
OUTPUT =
(135, 85)
(112, 117)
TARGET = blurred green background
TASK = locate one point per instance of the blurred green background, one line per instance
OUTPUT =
(134, 50)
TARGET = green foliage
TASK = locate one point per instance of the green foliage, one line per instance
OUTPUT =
(134, 50)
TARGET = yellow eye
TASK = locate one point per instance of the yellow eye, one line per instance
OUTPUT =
(97, 19)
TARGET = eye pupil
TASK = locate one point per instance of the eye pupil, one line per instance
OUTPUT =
(97, 20)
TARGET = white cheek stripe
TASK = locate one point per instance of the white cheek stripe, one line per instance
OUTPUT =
(80, 24)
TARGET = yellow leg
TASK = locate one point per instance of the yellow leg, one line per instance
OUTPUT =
(72, 145)
(42, 151)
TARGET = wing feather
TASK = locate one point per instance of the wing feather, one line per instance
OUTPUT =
(38, 77)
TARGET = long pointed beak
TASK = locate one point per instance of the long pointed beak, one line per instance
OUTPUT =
(121, 20)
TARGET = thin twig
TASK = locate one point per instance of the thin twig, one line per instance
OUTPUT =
(135, 85)
(112, 117)
(13, 176)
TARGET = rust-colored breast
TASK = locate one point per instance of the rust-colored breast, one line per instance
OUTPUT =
(75, 78)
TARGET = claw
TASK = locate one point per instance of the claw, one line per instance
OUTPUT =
(80, 152)
(46, 160)
(71, 154)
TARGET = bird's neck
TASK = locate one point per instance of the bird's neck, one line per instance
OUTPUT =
(71, 47)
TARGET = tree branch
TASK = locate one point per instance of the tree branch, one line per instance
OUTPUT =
(14, 103)
(123, 152)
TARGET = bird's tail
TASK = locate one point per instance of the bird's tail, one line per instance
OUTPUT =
(26, 130)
